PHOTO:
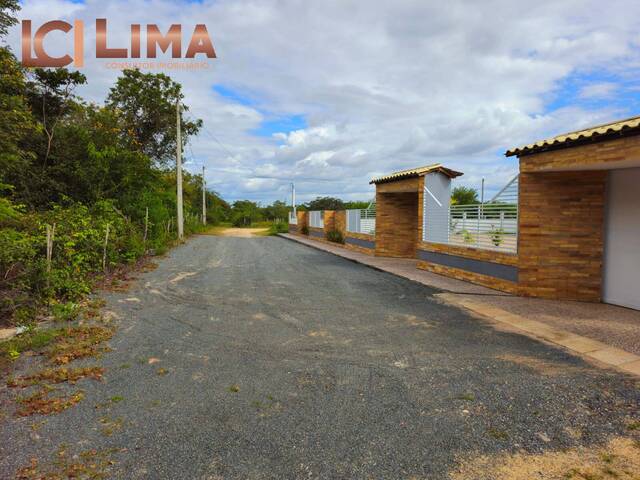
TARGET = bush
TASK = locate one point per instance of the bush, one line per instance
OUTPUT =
(304, 230)
(278, 227)
(496, 235)
(468, 238)
(78, 247)
(335, 236)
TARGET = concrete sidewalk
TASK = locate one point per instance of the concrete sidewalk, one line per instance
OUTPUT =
(602, 333)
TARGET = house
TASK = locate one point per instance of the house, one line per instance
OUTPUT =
(401, 207)
(566, 227)
(576, 203)
(579, 227)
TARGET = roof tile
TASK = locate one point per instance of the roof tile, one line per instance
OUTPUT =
(571, 137)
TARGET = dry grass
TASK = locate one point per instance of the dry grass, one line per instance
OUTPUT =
(42, 403)
(121, 278)
(617, 459)
(90, 464)
(79, 342)
(56, 375)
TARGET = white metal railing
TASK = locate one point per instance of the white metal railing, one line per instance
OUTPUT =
(316, 219)
(362, 221)
(293, 218)
(489, 226)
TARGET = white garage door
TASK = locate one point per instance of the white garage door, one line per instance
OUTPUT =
(622, 247)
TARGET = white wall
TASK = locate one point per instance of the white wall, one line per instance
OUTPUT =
(622, 239)
(437, 196)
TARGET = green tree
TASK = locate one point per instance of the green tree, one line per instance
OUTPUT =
(244, 213)
(464, 196)
(278, 210)
(326, 203)
(147, 103)
(16, 121)
(357, 205)
(8, 9)
(51, 95)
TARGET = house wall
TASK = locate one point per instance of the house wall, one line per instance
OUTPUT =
(489, 268)
(561, 230)
(358, 242)
(316, 233)
(332, 220)
(560, 241)
(608, 154)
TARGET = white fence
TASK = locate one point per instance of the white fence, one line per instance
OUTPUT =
(489, 226)
(361, 221)
(293, 218)
(316, 219)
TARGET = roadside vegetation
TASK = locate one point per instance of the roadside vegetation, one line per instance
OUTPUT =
(84, 188)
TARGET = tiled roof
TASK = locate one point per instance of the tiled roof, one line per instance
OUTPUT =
(566, 139)
(416, 172)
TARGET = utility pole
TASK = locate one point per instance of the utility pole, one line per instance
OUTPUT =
(482, 200)
(293, 197)
(204, 199)
(179, 172)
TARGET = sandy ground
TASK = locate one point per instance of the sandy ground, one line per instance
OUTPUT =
(237, 232)
(242, 232)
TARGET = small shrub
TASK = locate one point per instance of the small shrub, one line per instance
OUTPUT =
(65, 312)
(278, 227)
(496, 235)
(304, 230)
(29, 340)
(335, 236)
(467, 237)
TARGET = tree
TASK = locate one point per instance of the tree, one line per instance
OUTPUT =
(16, 121)
(359, 205)
(244, 213)
(217, 209)
(326, 203)
(464, 196)
(147, 103)
(51, 92)
(278, 210)
(7, 19)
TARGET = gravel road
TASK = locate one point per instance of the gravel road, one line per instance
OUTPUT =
(259, 358)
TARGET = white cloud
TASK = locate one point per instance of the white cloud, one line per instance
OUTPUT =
(601, 90)
(382, 85)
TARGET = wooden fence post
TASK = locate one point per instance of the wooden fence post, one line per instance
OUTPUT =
(51, 231)
(146, 227)
(104, 251)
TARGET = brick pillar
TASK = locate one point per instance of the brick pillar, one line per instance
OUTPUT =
(397, 224)
(340, 221)
(303, 220)
(560, 238)
(329, 221)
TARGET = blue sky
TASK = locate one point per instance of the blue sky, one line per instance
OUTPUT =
(271, 124)
(596, 90)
